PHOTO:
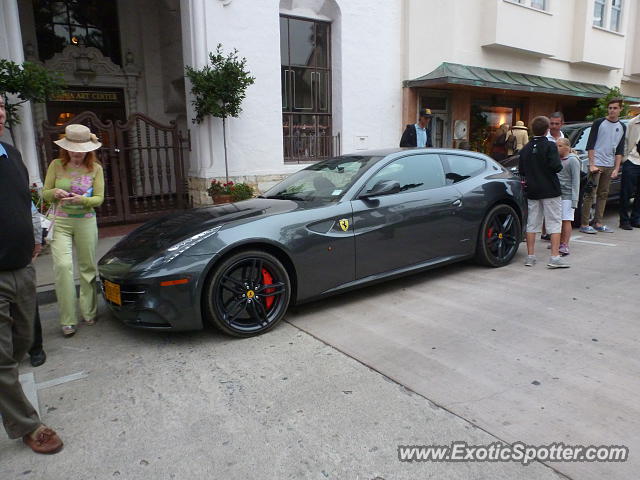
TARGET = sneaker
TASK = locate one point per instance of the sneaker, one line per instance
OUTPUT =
(635, 225)
(564, 249)
(557, 262)
(626, 226)
(604, 229)
(530, 261)
(43, 440)
(546, 237)
(588, 229)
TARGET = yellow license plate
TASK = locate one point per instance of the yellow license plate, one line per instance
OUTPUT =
(112, 292)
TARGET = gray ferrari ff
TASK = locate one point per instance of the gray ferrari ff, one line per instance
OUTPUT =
(333, 226)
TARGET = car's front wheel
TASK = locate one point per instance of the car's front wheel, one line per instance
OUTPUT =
(500, 236)
(247, 294)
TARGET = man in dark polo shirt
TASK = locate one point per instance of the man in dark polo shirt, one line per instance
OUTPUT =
(17, 299)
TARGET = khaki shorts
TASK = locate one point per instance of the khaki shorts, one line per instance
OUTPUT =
(548, 210)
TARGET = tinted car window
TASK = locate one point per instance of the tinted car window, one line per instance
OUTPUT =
(414, 173)
(581, 139)
(462, 167)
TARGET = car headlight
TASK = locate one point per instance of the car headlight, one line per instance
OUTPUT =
(179, 248)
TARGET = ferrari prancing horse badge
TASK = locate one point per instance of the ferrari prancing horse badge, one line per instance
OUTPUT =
(344, 224)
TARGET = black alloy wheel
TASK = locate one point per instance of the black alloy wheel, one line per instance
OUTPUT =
(500, 236)
(248, 294)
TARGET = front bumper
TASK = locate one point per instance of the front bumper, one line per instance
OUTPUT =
(146, 304)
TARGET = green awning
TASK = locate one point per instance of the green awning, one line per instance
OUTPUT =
(456, 74)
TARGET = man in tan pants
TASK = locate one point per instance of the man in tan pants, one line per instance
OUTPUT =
(605, 148)
(17, 299)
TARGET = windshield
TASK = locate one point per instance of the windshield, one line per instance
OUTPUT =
(323, 181)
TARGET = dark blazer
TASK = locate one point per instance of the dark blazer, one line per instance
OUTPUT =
(16, 229)
(410, 138)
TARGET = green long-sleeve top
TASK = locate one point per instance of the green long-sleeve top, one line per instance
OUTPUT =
(76, 180)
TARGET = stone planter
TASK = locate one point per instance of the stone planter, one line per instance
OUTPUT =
(217, 199)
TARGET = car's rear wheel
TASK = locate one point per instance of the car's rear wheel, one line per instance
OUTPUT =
(500, 236)
(247, 294)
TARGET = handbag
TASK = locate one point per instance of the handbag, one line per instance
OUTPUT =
(512, 142)
(50, 222)
(500, 140)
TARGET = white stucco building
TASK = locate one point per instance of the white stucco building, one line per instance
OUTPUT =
(328, 75)
(331, 76)
(515, 59)
(346, 96)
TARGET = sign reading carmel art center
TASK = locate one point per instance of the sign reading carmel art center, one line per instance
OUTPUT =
(87, 96)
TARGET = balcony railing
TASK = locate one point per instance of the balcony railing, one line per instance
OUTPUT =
(299, 149)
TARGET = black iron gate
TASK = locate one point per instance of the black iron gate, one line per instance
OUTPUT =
(143, 164)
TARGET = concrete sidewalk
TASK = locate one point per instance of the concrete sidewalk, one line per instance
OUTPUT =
(138, 405)
(108, 237)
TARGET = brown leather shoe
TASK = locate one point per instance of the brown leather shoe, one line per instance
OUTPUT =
(46, 440)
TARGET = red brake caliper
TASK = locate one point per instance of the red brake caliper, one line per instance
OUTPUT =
(267, 279)
(490, 232)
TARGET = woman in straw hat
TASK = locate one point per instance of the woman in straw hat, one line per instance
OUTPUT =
(522, 135)
(75, 183)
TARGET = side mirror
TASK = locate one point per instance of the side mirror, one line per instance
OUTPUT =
(383, 187)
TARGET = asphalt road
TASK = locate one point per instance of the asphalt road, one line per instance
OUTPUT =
(527, 354)
(463, 353)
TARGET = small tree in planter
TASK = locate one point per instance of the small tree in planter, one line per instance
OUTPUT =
(30, 82)
(219, 89)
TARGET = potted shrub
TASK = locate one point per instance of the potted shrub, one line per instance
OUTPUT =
(229, 191)
(218, 90)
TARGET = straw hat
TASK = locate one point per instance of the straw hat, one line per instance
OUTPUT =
(520, 124)
(78, 138)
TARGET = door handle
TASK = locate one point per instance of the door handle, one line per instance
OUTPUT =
(457, 203)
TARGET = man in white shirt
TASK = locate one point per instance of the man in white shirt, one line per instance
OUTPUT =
(556, 121)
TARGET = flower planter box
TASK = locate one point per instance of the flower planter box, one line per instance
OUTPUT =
(221, 199)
